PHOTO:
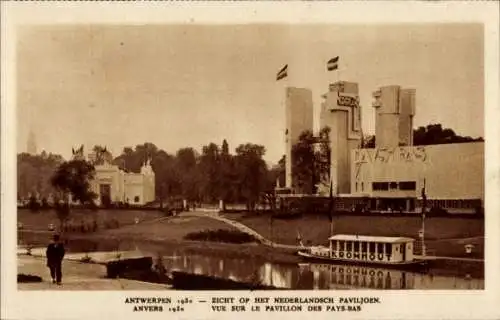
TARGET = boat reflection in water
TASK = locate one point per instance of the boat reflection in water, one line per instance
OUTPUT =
(350, 277)
(314, 276)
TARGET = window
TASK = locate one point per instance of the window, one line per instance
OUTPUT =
(356, 189)
(341, 245)
(136, 199)
(407, 185)
(388, 248)
(393, 185)
(380, 186)
(380, 247)
(363, 246)
(362, 187)
(349, 246)
(356, 246)
(372, 247)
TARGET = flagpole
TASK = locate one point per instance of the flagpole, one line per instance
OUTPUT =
(424, 208)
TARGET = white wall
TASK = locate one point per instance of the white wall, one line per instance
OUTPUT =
(299, 117)
(451, 171)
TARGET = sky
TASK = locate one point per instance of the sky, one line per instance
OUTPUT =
(188, 85)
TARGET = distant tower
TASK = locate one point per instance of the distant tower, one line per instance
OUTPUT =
(395, 108)
(342, 113)
(299, 117)
(31, 147)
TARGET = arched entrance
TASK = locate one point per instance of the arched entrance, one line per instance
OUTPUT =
(105, 194)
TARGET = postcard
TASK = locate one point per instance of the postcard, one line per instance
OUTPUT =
(206, 160)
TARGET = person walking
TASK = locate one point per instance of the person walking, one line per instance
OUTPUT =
(55, 254)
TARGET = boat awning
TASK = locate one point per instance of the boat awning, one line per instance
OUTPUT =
(352, 237)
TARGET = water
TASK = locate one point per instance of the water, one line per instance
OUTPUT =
(302, 276)
(315, 276)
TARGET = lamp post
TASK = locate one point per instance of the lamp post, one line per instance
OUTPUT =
(424, 208)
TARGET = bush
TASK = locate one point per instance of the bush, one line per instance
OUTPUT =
(33, 204)
(221, 235)
(45, 204)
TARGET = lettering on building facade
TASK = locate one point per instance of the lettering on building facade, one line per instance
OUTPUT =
(389, 155)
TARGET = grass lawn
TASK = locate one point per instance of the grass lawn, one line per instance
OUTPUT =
(40, 220)
(170, 229)
(315, 229)
(173, 228)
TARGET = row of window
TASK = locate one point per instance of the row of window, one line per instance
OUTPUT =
(386, 186)
(402, 185)
(363, 247)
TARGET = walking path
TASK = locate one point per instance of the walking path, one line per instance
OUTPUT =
(241, 227)
(76, 275)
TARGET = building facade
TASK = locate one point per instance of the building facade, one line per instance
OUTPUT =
(452, 174)
(395, 174)
(394, 111)
(113, 185)
(299, 118)
(341, 112)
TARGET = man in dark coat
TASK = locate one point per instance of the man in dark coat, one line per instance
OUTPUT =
(55, 254)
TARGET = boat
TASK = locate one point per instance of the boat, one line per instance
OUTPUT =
(388, 252)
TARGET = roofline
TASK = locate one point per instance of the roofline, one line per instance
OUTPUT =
(394, 239)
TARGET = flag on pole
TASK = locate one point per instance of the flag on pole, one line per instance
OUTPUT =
(333, 64)
(282, 73)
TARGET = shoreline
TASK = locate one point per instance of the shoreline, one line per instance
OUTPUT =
(446, 266)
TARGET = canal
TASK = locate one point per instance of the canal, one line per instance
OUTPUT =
(305, 276)
(298, 276)
(294, 276)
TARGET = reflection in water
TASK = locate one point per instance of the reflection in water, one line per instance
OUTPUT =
(317, 276)
(290, 276)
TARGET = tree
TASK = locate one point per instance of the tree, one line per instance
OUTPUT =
(72, 178)
(435, 134)
(322, 158)
(186, 167)
(33, 204)
(34, 173)
(227, 175)
(252, 172)
(102, 155)
(303, 163)
(429, 135)
(276, 174)
(209, 170)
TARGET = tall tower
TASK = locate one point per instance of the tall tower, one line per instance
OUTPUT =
(395, 108)
(31, 145)
(342, 113)
(299, 117)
